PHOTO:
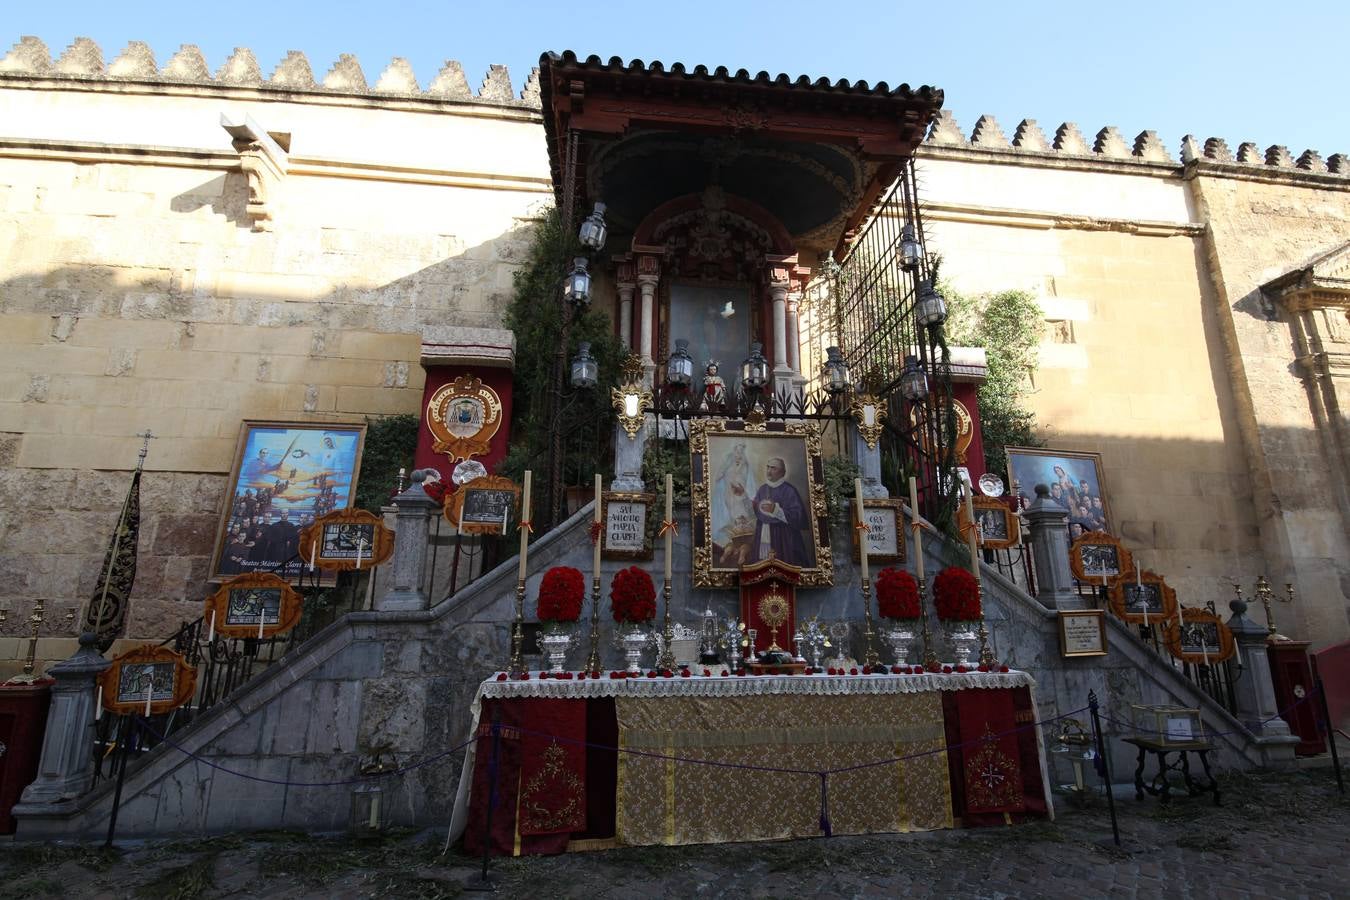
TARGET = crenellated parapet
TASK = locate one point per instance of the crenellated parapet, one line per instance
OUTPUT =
(1109, 146)
(84, 61)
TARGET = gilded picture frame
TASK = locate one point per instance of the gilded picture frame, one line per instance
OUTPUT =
(1098, 558)
(346, 539)
(757, 489)
(885, 531)
(1206, 639)
(285, 475)
(999, 527)
(1129, 600)
(472, 509)
(1075, 482)
(164, 672)
(233, 610)
(619, 533)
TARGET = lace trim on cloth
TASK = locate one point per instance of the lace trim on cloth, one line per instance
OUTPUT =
(750, 686)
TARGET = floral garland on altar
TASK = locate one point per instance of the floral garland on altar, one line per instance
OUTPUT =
(897, 594)
(632, 596)
(956, 595)
(561, 593)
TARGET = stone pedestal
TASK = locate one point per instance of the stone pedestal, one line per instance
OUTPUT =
(408, 567)
(1254, 691)
(1049, 524)
(628, 458)
(66, 769)
(869, 461)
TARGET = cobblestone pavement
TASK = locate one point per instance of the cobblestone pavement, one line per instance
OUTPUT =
(1276, 836)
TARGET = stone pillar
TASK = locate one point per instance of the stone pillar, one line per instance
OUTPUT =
(779, 282)
(626, 314)
(648, 276)
(66, 769)
(869, 460)
(1254, 691)
(1049, 524)
(794, 341)
(628, 458)
(409, 564)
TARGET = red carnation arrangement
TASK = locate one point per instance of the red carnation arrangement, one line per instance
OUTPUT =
(897, 594)
(956, 595)
(561, 593)
(633, 596)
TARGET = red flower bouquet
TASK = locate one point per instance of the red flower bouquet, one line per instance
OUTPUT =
(633, 596)
(956, 595)
(897, 594)
(561, 593)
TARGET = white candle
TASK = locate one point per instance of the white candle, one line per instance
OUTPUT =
(914, 522)
(1204, 651)
(599, 539)
(262, 614)
(1145, 601)
(313, 554)
(861, 531)
(1237, 653)
(506, 511)
(974, 539)
(375, 811)
(98, 704)
(211, 628)
(149, 689)
(670, 517)
(524, 517)
(359, 545)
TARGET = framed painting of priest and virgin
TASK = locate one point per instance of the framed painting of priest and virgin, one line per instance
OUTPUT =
(758, 491)
(1075, 482)
(285, 475)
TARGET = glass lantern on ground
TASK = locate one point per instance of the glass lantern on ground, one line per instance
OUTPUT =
(837, 378)
(931, 309)
(585, 368)
(577, 284)
(593, 231)
(680, 366)
(755, 369)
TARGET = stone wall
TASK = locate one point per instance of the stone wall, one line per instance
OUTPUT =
(140, 289)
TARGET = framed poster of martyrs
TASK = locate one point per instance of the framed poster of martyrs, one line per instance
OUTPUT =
(485, 505)
(758, 493)
(1075, 481)
(237, 606)
(159, 673)
(346, 539)
(1099, 558)
(285, 475)
(885, 532)
(1200, 637)
(624, 516)
(1147, 599)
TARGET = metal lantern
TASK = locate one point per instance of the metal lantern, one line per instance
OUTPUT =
(680, 366)
(577, 286)
(913, 381)
(755, 369)
(585, 370)
(910, 251)
(837, 379)
(931, 308)
(593, 231)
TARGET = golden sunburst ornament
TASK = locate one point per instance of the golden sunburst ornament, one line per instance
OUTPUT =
(773, 610)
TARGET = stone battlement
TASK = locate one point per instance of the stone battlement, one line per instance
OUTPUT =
(83, 61)
(1108, 143)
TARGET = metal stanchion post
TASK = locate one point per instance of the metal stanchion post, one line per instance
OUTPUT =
(484, 884)
(1328, 725)
(122, 743)
(1106, 764)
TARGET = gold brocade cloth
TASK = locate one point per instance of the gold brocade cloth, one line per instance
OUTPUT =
(673, 801)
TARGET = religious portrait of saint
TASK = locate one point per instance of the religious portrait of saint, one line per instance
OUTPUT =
(759, 490)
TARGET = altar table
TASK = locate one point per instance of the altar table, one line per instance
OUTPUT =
(593, 763)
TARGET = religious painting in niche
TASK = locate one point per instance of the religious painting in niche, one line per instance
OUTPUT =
(1098, 558)
(1075, 481)
(716, 322)
(463, 416)
(285, 475)
(758, 493)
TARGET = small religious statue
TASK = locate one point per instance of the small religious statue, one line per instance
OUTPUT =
(714, 388)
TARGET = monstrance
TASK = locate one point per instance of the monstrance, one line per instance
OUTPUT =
(773, 611)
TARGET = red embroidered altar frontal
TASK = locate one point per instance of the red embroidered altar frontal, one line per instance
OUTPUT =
(581, 764)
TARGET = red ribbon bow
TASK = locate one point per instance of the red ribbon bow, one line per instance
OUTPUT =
(669, 525)
(860, 525)
(528, 525)
(596, 529)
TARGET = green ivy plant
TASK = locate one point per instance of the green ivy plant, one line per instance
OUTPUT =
(391, 442)
(840, 473)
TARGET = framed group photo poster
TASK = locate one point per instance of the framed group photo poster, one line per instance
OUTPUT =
(1075, 482)
(285, 475)
(758, 492)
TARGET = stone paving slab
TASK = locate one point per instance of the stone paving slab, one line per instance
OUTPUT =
(1282, 836)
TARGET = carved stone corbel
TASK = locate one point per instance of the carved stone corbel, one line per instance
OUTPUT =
(263, 161)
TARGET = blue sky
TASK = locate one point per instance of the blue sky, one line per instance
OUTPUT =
(1243, 71)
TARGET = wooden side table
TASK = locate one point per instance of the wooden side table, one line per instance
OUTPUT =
(1158, 786)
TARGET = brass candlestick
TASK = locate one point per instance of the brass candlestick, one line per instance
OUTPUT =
(35, 620)
(593, 660)
(518, 633)
(666, 661)
(930, 658)
(986, 652)
(870, 657)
